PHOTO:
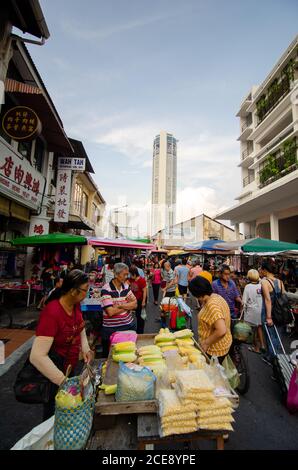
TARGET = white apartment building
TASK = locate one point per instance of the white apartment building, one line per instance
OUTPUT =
(192, 230)
(268, 203)
(164, 181)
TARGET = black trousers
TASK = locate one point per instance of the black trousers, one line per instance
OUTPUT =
(140, 321)
(155, 288)
(170, 294)
(106, 333)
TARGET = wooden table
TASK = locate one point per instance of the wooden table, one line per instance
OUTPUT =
(109, 416)
(148, 434)
(106, 404)
(140, 432)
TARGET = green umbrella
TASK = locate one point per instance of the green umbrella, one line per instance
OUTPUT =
(49, 239)
(140, 240)
(263, 245)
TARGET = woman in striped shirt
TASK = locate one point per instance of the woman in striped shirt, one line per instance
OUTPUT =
(118, 302)
(214, 319)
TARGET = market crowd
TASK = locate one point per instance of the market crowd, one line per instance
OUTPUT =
(222, 297)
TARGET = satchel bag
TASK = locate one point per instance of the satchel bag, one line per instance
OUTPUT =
(31, 386)
(281, 310)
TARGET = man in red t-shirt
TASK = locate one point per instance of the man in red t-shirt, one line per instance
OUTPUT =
(138, 287)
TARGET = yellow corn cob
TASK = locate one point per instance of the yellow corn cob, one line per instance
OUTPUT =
(185, 351)
(110, 389)
(184, 342)
(166, 337)
(125, 346)
(151, 349)
(183, 334)
(169, 348)
(124, 357)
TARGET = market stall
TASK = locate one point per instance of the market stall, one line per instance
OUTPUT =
(169, 385)
(52, 248)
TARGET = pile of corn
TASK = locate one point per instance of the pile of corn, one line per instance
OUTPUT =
(192, 405)
(175, 417)
(214, 413)
(151, 357)
(125, 352)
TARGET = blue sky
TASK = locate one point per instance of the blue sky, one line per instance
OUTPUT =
(119, 71)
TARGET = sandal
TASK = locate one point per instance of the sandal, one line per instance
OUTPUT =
(251, 349)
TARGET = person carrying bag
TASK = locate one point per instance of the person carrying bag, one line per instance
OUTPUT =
(60, 337)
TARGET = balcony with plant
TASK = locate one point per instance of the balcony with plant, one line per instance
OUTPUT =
(278, 89)
(279, 163)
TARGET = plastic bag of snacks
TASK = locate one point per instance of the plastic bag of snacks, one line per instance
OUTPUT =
(123, 336)
(135, 383)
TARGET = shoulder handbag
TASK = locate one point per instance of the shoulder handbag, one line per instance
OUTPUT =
(31, 386)
(281, 310)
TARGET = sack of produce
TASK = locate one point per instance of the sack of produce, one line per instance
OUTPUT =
(243, 332)
(73, 416)
(135, 383)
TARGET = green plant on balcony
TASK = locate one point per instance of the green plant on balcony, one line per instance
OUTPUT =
(264, 175)
(273, 91)
(270, 169)
(261, 106)
(289, 149)
(289, 70)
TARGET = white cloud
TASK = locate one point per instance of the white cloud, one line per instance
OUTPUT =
(195, 201)
(75, 28)
(134, 142)
(208, 177)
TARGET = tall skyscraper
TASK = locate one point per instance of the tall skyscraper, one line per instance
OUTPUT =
(164, 182)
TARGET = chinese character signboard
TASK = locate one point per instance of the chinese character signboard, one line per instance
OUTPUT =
(21, 123)
(76, 164)
(19, 180)
(63, 190)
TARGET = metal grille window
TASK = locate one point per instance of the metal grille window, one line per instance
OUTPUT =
(84, 205)
(78, 194)
(38, 155)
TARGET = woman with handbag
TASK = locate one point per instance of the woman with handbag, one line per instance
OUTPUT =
(252, 307)
(271, 286)
(61, 335)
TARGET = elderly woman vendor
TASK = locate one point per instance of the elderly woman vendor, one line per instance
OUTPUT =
(118, 302)
(214, 319)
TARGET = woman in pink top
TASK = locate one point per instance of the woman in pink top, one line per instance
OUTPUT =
(156, 281)
(195, 271)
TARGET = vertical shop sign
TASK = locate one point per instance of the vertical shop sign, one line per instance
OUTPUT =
(63, 190)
